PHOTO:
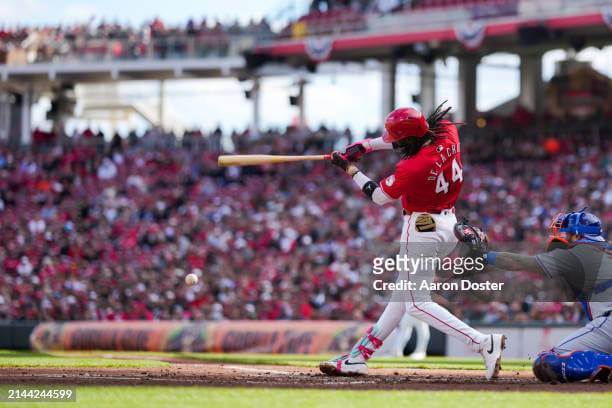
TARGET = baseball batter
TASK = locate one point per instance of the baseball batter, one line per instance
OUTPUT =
(427, 181)
(579, 255)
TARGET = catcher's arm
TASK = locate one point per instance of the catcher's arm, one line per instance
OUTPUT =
(475, 244)
(509, 261)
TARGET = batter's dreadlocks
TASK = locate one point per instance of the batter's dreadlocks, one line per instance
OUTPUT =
(411, 145)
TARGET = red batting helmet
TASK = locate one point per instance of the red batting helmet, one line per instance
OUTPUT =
(404, 122)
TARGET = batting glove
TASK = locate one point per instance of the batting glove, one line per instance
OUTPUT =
(355, 151)
(340, 160)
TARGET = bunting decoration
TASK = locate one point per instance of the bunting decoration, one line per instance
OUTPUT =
(319, 48)
(471, 34)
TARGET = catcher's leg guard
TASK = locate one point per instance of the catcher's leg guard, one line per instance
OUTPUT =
(575, 366)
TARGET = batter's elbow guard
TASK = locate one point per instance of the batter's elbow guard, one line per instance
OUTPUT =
(369, 188)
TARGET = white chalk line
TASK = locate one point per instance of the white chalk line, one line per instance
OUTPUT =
(257, 370)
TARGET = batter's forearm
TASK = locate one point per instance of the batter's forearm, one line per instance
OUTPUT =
(379, 197)
(378, 144)
(369, 187)
(514, 262)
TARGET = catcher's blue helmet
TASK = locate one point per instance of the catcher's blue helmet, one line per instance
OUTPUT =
(581, 223)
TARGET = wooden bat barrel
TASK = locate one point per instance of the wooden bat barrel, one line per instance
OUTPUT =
(257, 159)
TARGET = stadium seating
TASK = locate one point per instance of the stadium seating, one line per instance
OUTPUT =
(96, 230)
(105, 41)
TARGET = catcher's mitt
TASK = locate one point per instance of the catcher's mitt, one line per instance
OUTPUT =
(472, 240)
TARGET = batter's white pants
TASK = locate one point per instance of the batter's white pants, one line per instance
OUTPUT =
(395, 344)
(436, 243)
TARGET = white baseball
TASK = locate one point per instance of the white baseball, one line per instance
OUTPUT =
(191, 279)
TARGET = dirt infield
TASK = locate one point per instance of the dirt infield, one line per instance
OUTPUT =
(232, 375)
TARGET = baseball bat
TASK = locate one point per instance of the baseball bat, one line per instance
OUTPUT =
(256, 159)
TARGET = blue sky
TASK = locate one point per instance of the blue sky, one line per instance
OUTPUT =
(136, 11)
(336, 98)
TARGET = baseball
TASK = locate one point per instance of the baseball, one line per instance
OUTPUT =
(191, 279)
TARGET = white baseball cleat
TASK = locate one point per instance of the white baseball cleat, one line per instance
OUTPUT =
(343, 366)
(418, 355)
(491, 351)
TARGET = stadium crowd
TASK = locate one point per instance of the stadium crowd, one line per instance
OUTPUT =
(102, 40)
(94, 230)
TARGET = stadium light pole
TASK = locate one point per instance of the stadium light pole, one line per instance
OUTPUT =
(5, 116)
(428, 87)
(255, 90)
(389, 74)
(531, 88)
(26, 117)
(466, 109)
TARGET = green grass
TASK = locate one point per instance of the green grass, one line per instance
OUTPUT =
(147, 359)
(151, 397)
(11, 358)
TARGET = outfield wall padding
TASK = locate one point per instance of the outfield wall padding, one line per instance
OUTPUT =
(303, 337)
(15, 335)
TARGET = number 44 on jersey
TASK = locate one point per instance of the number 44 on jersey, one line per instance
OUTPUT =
(456, 175)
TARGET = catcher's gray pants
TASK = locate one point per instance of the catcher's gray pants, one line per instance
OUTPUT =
(595, 336)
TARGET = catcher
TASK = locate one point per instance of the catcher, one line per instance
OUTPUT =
(577, 253)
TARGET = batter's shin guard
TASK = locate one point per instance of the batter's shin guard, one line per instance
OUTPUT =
(575, 366)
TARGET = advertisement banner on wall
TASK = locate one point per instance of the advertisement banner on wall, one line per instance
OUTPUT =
(298, 337)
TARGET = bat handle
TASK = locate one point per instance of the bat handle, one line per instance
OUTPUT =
(327, 157)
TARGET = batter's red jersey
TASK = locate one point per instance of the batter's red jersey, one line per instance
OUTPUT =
(431, 179)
